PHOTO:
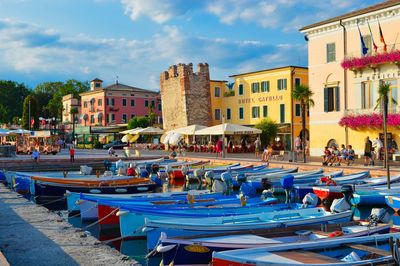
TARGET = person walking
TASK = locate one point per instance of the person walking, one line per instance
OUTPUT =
(36, 155)
(257, 147)
(218, 147)
(368, 152)
(71, 154)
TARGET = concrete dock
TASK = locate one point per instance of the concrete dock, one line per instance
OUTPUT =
(33, 235)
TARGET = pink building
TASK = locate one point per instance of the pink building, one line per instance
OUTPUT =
(117, 104)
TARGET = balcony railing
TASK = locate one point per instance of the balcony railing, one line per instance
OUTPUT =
(368, 111)
(229, 93)
(356, 60)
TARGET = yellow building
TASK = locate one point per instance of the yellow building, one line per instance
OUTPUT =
(262, 94)
(344, 80)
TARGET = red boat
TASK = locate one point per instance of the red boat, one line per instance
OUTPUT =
(328, 193)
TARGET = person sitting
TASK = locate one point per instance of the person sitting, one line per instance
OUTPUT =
(343, 154)
(327, 156)
(267, 153)
(350, 154)
(335, 156)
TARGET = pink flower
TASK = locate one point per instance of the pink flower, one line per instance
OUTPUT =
(368, 120)
(377, 59)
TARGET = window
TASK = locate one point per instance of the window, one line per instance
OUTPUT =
(146, 103)
(331, 99)
(217, 114)
(159, 106)
(241, 112)
(255, 87)
(132, 115)
(240, 89)
(112, 102)
(265, 86)
(85, 104)
(282, 113)
(298, 109)
(282, 84)
(123, 102)
(265, 111)
(100, 119)
(297, 82)
(217, 91)
(228, 114)
(366, 95)
(92, 119)
(112, 117)
(255, 112)
(99, 102)
(97, 85)
(124, 118)
(330, 52)
(153, 104)
(107, 102)
(132, 103)
(108, 119)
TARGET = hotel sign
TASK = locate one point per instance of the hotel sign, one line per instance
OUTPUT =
(261, 99)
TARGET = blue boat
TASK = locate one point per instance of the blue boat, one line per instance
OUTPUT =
(226, 224)
(197, 250)
(393, 202)
(367, 250)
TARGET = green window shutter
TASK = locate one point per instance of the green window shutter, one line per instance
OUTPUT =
(298, 109)
(337, 103)
(282, 113)
(267, 86)
(326, 102)
(241, 113)
(265, 111)
(285, 84)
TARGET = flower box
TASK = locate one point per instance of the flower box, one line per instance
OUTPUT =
(368, 120)
(371, 60)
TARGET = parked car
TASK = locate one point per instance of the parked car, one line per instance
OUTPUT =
(116, 144)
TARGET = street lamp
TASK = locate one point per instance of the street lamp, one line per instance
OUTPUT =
(54, 125)
(29, 115)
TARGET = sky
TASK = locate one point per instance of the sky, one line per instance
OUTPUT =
(135, 40)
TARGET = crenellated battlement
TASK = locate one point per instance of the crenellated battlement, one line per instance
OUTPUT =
(185, 96)
(184, 70)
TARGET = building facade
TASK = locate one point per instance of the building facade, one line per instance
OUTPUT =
(345, 77)
(258, 95)
(69, 102)
(117, 104)
(185, 96)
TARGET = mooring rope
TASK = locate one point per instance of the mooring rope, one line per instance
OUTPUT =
(100, 220)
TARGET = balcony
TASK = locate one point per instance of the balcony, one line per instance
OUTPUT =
(369, 118)
(113, 109)
(354, 61)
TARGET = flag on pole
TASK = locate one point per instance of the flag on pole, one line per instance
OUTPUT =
(363, 46)
(382, 39)
(372, 38)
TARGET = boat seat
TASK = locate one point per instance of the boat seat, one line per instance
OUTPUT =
(307, 257)
(370, 249)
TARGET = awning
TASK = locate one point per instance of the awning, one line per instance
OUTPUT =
(228, 129)
(99, 115)
(189, 130)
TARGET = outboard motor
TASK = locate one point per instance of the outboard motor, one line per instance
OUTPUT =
(310, 200)
(209, 176)
(219, 186)
(107, 165)
(267, 194)
(148, 167)
(378, 215)
(266, 184)
(144, 173)
(155, 168)
(343, 204)
(227, 178)
(199, 174)
(287, 182)
(248, 190)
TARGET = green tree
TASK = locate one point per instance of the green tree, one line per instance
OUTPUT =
(303, 94)
(140, 121)
(15, 120)
(152, 115)
(269, 130)
(30, 103)
(12, 95)
(383, 102)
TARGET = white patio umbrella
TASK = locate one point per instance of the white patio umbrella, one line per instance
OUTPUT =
(20, 132)
(4, 132)
(150, 131)
(189, 130)
(228, 129)
(131, 131)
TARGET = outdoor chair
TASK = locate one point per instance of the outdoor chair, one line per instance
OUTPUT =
(279, 157)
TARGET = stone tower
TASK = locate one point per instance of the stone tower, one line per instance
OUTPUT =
(185, 96)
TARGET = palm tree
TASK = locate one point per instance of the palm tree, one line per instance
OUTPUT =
(73, 112)
(383, 102)
(303, 94)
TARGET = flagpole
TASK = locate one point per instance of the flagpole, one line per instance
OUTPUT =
(29, 115)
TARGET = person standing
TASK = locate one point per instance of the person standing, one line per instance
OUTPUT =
(71, 154)
(257, 147)
(218, 147)
(368, 152)
(297, 143)
(36, 155)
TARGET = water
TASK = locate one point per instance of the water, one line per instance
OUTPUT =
(137, 250)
